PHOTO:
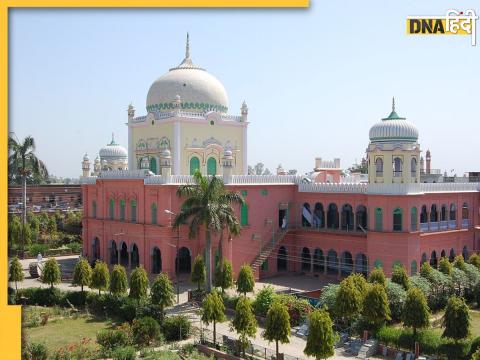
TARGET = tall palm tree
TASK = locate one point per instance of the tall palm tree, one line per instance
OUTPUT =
(209, 204)
(23, 166)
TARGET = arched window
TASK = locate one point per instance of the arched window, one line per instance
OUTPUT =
(413, 219)
(153, 165)
(362, 223)
(318, 216)
(397, 219)
(306, 215)
(306, 260)
(424, 215)
(413, 167)
(282, 259)
(347, 217)
(156, 260)
(433, 213)
(113, 253)
(111, 209)
(413, 268)
(94, 209)
(244, 214)
(378, 219)
(443, 213)
(134, 257)
(332, 216)
(465, 216)
(194, 165)
(122, 210)
(453, 212)
(211, 166)
(397, 167)
(379, 167)
(133, 211)
(154, 214)
(318, 260)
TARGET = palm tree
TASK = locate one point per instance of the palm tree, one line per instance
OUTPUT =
(24, 165)
(208, 204)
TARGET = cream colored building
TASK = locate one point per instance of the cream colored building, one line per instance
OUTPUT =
(187, 114)
(394, 151)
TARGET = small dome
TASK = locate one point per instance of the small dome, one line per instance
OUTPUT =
(227, 153)
(199, 91)
(97, 159)
(393, 128)
(113, 151)
(85, 157)
(166, 153)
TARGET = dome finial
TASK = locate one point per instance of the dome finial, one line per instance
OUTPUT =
(393, 103)
(187, 47)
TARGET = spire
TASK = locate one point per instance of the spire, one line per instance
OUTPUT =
(393, 115)
(113, 140)
(393, 104)
(187, 47)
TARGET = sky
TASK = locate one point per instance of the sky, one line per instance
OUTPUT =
(315, 80)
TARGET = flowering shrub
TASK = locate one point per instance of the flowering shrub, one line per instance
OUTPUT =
(298, 309)
(84, 350)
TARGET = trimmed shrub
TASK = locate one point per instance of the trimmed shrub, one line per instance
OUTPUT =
(389, 336)
(36, 351)
(76, 298)
(42, 296)
(298, 309)
(396, 299)
(145, 330)
(474, 346)
(263, 300)
(454, 350)
(328, 297)
(176, 328)
(124, 353)
(111, 339)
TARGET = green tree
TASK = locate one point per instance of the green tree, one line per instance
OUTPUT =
(416, 313)
(118, 283)
(198, 272)
(208, 205)
(459, 262)
(138, 284)
(51, 272)
(375, 307)
(320, 338)
(476, 355)
(348, 302)
(475, 260)
(456, 320)
(359, 282)
(244, 322)
(277, 325)
(24, 166)
(82, 275)
(162, 292)
(400, 277)
(213, 312)
(14, 231)
(224, 277)
(445, 266)
(16, 271)
(426, 270)
(43, 217)
(377, 277)
(51, 226)
(100, 277)
(34, 223)
(245, 280)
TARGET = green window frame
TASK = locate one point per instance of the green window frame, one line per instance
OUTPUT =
(211, 166)
(413, 268)
(153, 165)
(264, 192)
(111, 209)
(413, 219)
(244, 215)
(243, 193)
(122, 210)
(133, 211)
(194, 165)
(397, 220)
(378, 219)
(94, 209)
(154, 214)
(264, 266)
(378, 264)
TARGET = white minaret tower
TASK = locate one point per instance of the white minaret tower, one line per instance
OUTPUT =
(86, 165)
(166, 162)
(244, 111)
(227, 163)
(97, 168)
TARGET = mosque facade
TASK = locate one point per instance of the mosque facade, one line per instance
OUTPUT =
(313, 225)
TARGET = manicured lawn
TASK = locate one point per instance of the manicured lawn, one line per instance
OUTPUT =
(61, 332)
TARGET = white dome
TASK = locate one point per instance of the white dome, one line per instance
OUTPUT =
(198, 90)
(113, 151)
(393, 128)
(166, 153)
(85, 157)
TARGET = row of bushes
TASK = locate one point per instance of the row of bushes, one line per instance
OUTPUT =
(429, 341)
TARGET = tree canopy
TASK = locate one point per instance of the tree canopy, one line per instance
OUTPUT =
(277, 325)
(16, 271)
(416, 313)
(320, 338)
(138, 284)
(244, 321)
(245, 281)
(400, 277)
(118, 281)
(456, 320)
(100, 277)
(51, 272)
(375, 307)
(162, 292)
(377, 276)
(213, 311)
(82, 275)
(198, 271)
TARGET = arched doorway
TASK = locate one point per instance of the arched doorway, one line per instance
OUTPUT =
(332, 216)
(211, 166)
(306, 215)
(318, 216)
(306, 260)
(361, 265)
(452, 255)
(282, 259)
(347, 217)
(194, 165)
(332, 262)
(433, 259)
(135, 257)
(96, 249)
(184, 261)
(113, 253)
(124, 255)
(361, 215)
(318, 260)
(347, 263)
(156, 261)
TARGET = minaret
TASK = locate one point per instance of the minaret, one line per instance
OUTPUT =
(130, 112)
(244, 111)
(144, 163)
(86, 165)
(227, 163)
(177, 104)
(428, 159)
(96, 166)
(422, 165)
(166, 162)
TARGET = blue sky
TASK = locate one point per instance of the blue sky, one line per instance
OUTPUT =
(315, 79)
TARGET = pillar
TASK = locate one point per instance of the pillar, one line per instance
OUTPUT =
(325, 264)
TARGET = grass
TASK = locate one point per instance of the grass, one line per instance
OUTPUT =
(64, 331)
(474, 323)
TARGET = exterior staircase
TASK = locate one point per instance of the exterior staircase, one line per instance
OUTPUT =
(266, 251)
